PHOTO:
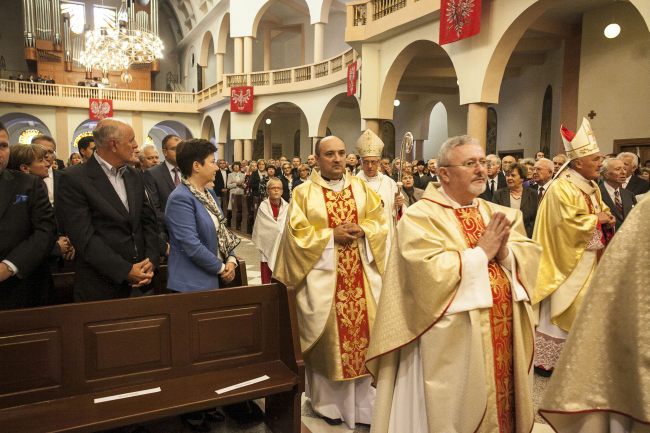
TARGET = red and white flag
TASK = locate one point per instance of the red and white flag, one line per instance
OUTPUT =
(99, 109)
(352, 78)
(459, 19)
(241, 99)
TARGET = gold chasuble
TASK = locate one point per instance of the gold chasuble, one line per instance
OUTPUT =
(567, 228)
(602, 380)
(337, 285)
(437, 355)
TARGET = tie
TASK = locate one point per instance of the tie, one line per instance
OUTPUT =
(177, 178)
(617, 201)
(492, 186)
(540, 193)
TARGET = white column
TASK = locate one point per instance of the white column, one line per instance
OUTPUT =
(268, 148)
(477, 122)
(220, 57)
(239, 55)
(248, 149)
(319, 41)
(248, 54)
(221, 150)
(237, 151)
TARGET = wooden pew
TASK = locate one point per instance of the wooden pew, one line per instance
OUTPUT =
(64, 282)
(174, 351)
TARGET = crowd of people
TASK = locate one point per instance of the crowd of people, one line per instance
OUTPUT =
(363, 238)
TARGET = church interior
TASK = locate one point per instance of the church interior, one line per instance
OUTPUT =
(316, 68)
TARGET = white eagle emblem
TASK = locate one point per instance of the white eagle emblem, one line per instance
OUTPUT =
(100, 109)
(459, 13)
(240, 98)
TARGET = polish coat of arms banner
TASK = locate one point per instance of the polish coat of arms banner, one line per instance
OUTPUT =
(99, 109)
(459, 19)
(241, 99)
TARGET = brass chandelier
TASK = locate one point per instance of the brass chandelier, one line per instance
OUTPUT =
(116, 49)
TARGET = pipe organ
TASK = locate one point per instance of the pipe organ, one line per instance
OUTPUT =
(52, 48)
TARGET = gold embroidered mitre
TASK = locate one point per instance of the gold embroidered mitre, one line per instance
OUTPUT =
(580, 143)
(369, 144)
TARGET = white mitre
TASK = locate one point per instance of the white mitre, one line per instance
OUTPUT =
(369, 144)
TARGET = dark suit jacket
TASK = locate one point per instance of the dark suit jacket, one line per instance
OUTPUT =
(286, 192)
(27, 235)
(528, 205)
(637, 186)
(501, 183)
(423, 181)
(108, 239)
(219, 182)
(160, 184)
(627, 199)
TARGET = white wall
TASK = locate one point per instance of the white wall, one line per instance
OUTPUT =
(334, 36)
(438, 131)
(345, 123)
(615, 75)
(520, 106)
(210, 73)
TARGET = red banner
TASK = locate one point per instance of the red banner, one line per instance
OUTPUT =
(99, 109)
(352, 78)
(241, 99)
(459, 19)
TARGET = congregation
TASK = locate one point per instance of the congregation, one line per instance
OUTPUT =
(487, 256)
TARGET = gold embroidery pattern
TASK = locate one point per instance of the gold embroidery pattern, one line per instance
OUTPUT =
(500, 323)
(350, 297)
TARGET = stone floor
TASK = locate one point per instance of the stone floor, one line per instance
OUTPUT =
(310, 421)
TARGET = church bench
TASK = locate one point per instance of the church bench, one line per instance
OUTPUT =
(169, 352)
(64, 282)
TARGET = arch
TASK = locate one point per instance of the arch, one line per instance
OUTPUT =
(166, 127)
(84, 129)
(396, 71)
(207, 129)
(262, 10)
(222, 36)
(224, 127)
(282, 124)
(19, 123)
(329, 110)
(205, 53)
(323, 13)
(512, 35)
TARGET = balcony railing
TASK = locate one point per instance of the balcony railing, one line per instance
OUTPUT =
(299, 74)
(381, 8)
(63, 94)
(316, 75)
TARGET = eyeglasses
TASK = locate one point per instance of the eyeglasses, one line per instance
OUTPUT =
(472, 164)
(366, 162)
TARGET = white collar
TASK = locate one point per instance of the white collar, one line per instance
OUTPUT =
(453, 203)
(170, 167)
(610, 189)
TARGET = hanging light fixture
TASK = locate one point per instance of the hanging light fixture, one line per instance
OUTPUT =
(116, 49)
(613, 29)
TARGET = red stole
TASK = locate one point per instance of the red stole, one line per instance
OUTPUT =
(500, 322)
(275, 209)
(350, 295)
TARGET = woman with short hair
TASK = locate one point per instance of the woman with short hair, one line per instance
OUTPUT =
(516, 196)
